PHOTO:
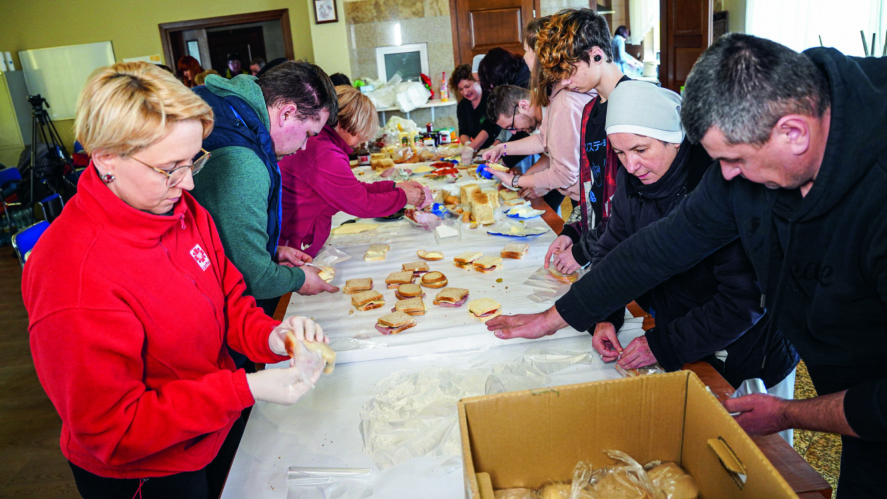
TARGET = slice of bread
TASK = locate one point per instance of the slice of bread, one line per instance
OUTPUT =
(515, 250)
(405, 291)
(367, 300)
(410, 306)
(467, 257)
(434, 280)
(492, 195)
(418, 267)
(482, 209)
(484, 308)
(431, 256)
(395, 279)
(357, 285)
(487, 263)
(454, 297)
(567, 278)
(466, 191)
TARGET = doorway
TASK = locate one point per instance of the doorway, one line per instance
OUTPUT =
(258, 34)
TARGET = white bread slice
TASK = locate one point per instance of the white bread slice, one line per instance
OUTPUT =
(482, 209)
(492, 195)
(376, 252)
(450, 295)
(431, 256)
(466, 191)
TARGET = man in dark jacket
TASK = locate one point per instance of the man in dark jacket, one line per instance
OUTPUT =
(709, 312)
(799, 138)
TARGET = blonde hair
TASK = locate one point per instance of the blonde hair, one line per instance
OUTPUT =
(357, 114)
(128, 106)
(201, 77)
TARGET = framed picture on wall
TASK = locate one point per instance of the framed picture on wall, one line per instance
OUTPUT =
(325, 11)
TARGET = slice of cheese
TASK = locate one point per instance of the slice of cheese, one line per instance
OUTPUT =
(355, 228)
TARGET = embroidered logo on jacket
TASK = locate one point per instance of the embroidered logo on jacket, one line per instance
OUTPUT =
(200, 257)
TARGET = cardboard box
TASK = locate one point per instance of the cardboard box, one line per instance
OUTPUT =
(529, 438)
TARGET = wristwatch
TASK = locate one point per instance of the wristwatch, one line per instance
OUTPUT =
(514, 181)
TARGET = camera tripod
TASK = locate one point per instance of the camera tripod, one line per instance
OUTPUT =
(50, 170)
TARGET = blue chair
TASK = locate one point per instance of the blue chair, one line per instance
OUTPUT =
(49, 207)
(9, 180)
(23, 242)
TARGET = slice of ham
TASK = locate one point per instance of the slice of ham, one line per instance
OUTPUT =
(384, 330)
(488, 313)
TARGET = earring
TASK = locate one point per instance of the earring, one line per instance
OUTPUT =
(597, 58)
(108, 178)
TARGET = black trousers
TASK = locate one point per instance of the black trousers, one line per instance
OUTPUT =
(201, 484)
(863, 464)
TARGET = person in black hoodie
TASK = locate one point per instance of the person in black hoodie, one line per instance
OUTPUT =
(799, 138)
(709, 312)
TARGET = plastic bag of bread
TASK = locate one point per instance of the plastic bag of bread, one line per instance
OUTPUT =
(516, 494)
(640, 371)
(671, 479)
(555, 490)
(628, 480)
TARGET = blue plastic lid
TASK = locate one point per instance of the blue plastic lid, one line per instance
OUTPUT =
(439, 209)
(483, 172)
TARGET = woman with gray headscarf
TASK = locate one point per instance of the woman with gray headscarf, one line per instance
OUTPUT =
(709, 312)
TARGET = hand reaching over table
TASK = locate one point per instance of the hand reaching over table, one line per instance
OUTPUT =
(527, 325)
(314, 284)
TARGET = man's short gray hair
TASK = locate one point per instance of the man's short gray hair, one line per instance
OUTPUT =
(743, 85)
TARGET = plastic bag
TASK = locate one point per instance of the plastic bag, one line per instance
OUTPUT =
(328, 483)
(671, 479)
(545, 287)
(620, 480)
(640, 371)
(410, 95)
(516, 494)
(383, 97)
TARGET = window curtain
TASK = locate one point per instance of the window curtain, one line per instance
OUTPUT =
(799, 24)
(643, 15)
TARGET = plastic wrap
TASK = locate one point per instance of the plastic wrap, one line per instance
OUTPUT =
(555, 490)
(672, 480)
(410, 95)
(329, 483)
(620, 480)
(415, 415)
(545, 287)
(516, 494)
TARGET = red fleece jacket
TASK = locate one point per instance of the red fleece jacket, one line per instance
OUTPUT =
(318, 183)
(129, 314)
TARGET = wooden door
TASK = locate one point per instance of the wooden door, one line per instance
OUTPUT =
(480, 25)
(248, 42)
(686, 33)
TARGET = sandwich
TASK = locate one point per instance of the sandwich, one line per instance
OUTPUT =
(434, 280)
(326, 273)
(451, 297)
(367, 300)
(405, 291)
(395, 279)
(482, 209)
(410, 306)
(378, 155)
(497, 167)
(431, 256)
(466, 191)
(515, 250)
(466, 259)
(484, 308)
(567, 278)
(417, 268)
(507, 195)
(294, 349)
(376, 252)
(394, 323)
(487, 263)
(357, 285)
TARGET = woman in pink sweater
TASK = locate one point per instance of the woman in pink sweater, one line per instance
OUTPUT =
(318, 182)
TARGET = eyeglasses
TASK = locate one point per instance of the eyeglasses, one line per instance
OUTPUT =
(513, 115)
(176, 175)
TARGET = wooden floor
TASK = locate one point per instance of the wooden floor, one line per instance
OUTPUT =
(31, 464)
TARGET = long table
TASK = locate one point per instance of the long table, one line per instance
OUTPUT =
(337, 425)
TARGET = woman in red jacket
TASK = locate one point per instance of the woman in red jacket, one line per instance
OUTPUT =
(132, 303)
(318, 182)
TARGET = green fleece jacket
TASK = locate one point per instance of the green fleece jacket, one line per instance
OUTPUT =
(233, 187)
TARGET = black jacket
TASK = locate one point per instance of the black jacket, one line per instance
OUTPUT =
(712, 306)
(822, 259)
